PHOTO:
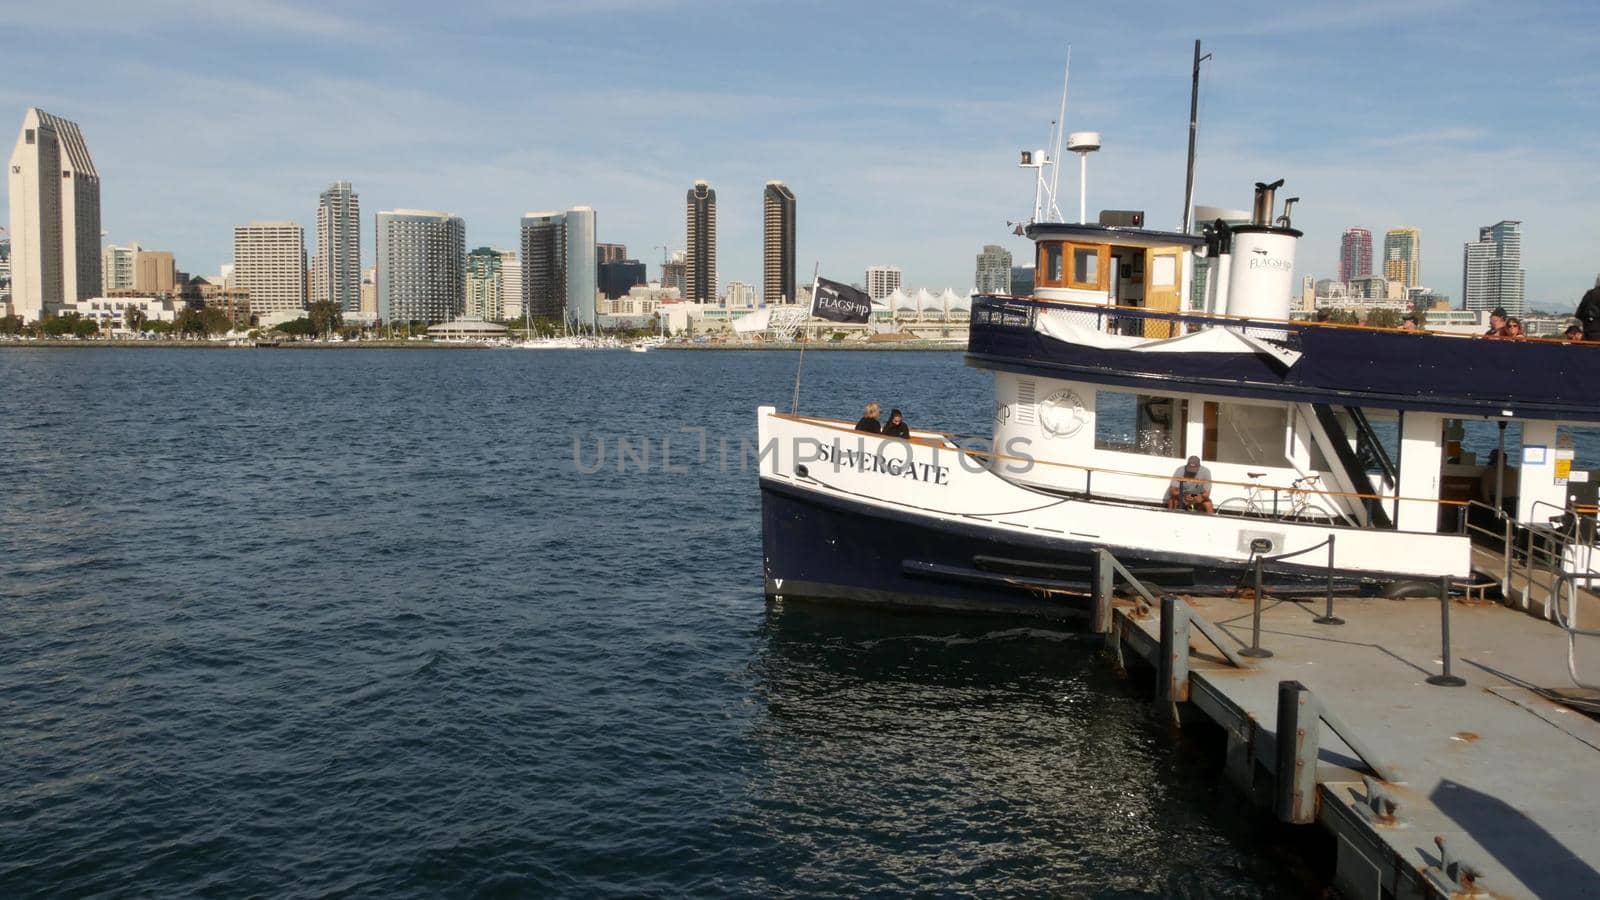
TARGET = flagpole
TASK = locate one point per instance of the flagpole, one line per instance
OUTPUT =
(794, 408)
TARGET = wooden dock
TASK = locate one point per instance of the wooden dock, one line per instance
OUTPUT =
(1507, 777)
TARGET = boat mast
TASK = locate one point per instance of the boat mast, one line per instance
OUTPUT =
(1194, 124)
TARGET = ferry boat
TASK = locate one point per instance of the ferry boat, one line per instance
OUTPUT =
(1110, 375)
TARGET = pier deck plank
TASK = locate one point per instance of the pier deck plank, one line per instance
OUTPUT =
(1505, 775)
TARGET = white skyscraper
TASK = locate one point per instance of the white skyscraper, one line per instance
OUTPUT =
(1492, 274)
(993, 274)
(510, 284)
(421, 266)
(117, 267)
(269, 263)
(55, 217)
(336, 267)
(883, 281)
(581, 266)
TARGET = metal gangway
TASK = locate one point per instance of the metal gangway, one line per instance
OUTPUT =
(1548, 568)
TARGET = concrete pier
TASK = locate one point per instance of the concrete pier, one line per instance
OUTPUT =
(1496, 787)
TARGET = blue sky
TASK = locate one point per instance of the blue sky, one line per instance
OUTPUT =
(896, 124)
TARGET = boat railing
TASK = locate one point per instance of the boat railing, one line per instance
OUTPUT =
(1273, 509)
(1008, 311)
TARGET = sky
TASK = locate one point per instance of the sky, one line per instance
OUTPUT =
(897, 125)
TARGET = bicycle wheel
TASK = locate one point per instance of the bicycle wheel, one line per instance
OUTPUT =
(1239, 506)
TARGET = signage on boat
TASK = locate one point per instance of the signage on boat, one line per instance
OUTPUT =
(1062, 414)
(863, 460)
(1002, 412)
(1262, 260)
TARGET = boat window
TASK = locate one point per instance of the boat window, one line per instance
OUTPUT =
(1085, 265)
(1140, 423)
(1246, 434)
(1052, 263)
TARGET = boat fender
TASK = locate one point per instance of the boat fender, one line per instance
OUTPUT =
(1401, 590)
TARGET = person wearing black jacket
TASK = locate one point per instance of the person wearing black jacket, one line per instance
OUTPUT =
(1589, 312)
(869, 422)
(896, 426)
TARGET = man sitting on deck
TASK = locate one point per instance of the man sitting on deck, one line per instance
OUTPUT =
(1191, 487)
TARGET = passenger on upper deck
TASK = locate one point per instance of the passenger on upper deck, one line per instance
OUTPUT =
(1514, 328)
(1589, 312)
(1497, 323)
(1191, 487)
(1574, 330)
(896, 426)
(869, 422)
(1409, 323)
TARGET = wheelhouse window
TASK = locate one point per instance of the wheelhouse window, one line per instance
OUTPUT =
(1068, 265)
(1147, 424)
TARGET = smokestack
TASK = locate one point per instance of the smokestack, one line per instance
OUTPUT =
(1266, 202)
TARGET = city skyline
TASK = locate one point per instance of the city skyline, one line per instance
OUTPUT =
(926, 174)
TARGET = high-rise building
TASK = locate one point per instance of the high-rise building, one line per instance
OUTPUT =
(369, 291)
(1355, 254)
(672, 273)
(544, 265)
(1492, 273)
(485, 285)
(741, 295)
(993, 275)
(510, 285)
(5, 266)
(582, 269)
(1402, 256)
(559, 271)
(269, 264)
(606, 253)
(421, 256)
(620, 276)
(700, 257)
(882, 281)
(777, 253)
(154, 272)
(336, 267)
(55, 217)
(1022, 281)
(117, 267)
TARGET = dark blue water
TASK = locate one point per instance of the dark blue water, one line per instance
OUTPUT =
(350, 623)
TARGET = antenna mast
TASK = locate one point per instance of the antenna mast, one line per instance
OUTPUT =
(1061, 129)
(1194, 124)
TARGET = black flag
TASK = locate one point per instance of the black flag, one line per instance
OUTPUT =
(840, 302)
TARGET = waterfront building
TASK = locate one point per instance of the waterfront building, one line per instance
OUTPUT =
(993, 275)
(117, 268)
(510, 284)
(336, 267)
(154, 272)
(1402, 256)
(1355, 254)
(620, 276)
(700, 258)
(544, 264)
(882, 281)
(672, 272)
(609, 253)
(421, 254)
(1376, 287)
(582, 292)
(777, 244)
(485, 285)
(269, 264)
(1492, 273)
(54, 193)
(1022, 281)
(741, 295)
(110, 313)
(369, 291)
(5, 272)
(559, 272)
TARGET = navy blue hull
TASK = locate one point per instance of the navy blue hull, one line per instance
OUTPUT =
(832, 548)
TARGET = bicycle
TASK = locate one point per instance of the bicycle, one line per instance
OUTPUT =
(1263, 502)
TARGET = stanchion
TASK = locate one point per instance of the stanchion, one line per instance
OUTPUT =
(1328, 618)
(1445, 679)
(1255, 649)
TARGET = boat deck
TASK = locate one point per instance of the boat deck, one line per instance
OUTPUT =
(1504, 774)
